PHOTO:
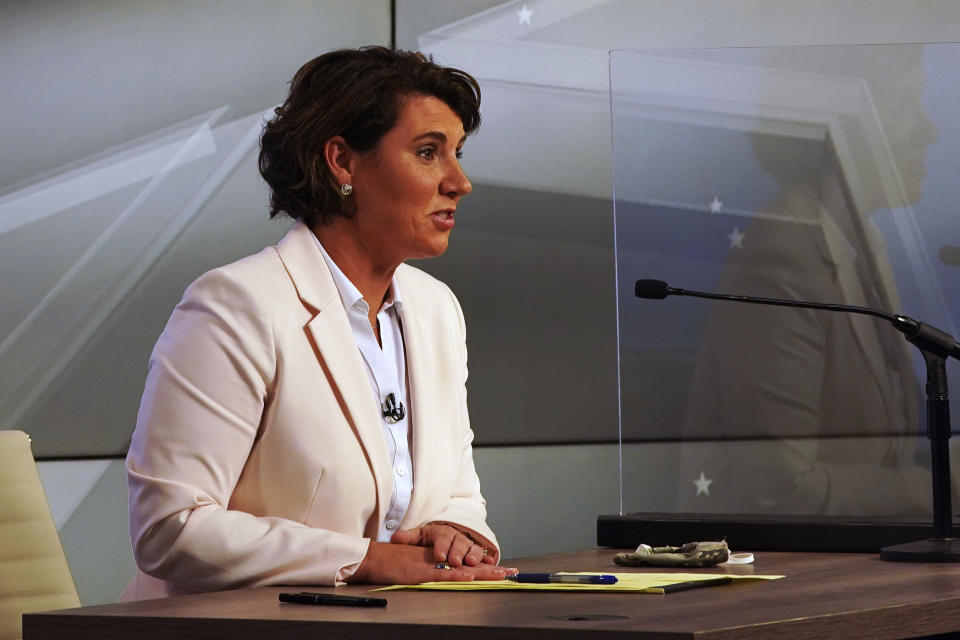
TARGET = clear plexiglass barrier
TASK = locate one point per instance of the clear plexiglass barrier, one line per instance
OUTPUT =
(826, 174)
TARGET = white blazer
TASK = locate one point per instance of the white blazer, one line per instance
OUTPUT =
(258, 456)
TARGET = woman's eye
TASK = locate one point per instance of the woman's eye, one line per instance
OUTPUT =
(459, 154)
(426, 153)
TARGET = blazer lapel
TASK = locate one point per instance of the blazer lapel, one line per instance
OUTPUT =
(337, 351)
(865, 329)
(803, 204)
(420, 369)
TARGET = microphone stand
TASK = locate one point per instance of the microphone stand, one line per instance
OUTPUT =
(936, 346)
(942, 547)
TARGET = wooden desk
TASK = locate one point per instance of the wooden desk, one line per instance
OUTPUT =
(839, 595)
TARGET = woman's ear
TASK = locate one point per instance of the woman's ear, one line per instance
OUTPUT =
(340, 158)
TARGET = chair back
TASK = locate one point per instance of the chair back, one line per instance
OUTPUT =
(34, 575)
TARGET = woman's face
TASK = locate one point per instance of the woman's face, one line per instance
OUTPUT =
(407, 187)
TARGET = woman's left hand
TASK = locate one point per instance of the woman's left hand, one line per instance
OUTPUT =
(450, 545)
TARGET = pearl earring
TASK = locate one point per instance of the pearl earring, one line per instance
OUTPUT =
(346, 189)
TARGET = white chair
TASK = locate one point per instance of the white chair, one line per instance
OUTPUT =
(34, 575)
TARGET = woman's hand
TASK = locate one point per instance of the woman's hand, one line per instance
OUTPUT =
(450, 545)
(391, 563)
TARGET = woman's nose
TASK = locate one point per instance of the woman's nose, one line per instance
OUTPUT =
(456, 182)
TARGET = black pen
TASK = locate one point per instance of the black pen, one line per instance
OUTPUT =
(567, 578)
(306, 597)
(694, 584)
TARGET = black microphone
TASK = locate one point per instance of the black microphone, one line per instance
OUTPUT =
(923, 335)
(393, 411)
(653, 289)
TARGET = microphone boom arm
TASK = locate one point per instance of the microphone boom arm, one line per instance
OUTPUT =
(926, 337)
(782, 303)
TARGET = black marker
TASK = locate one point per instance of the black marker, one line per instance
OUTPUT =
(694, 584)
(306, 597)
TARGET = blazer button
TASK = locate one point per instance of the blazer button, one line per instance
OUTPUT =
(391, 524)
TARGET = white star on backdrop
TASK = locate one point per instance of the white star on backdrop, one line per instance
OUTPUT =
(736, 238)
(524, 15)
(715, 205)
(703, 485)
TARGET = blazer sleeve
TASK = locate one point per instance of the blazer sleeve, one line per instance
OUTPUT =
(466, 508)
(210, 378)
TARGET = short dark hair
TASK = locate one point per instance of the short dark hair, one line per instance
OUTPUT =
(357, 94)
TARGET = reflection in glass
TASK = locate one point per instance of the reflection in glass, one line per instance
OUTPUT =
(792, 173)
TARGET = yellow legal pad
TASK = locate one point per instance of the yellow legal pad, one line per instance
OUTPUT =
(628, 582)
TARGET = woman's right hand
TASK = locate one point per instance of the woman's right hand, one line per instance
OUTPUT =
(389, 563)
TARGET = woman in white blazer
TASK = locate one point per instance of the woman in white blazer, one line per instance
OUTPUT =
(304, 419)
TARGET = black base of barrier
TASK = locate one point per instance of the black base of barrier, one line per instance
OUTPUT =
(750, 532)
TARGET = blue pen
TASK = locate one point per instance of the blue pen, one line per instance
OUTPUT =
(563, 578)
